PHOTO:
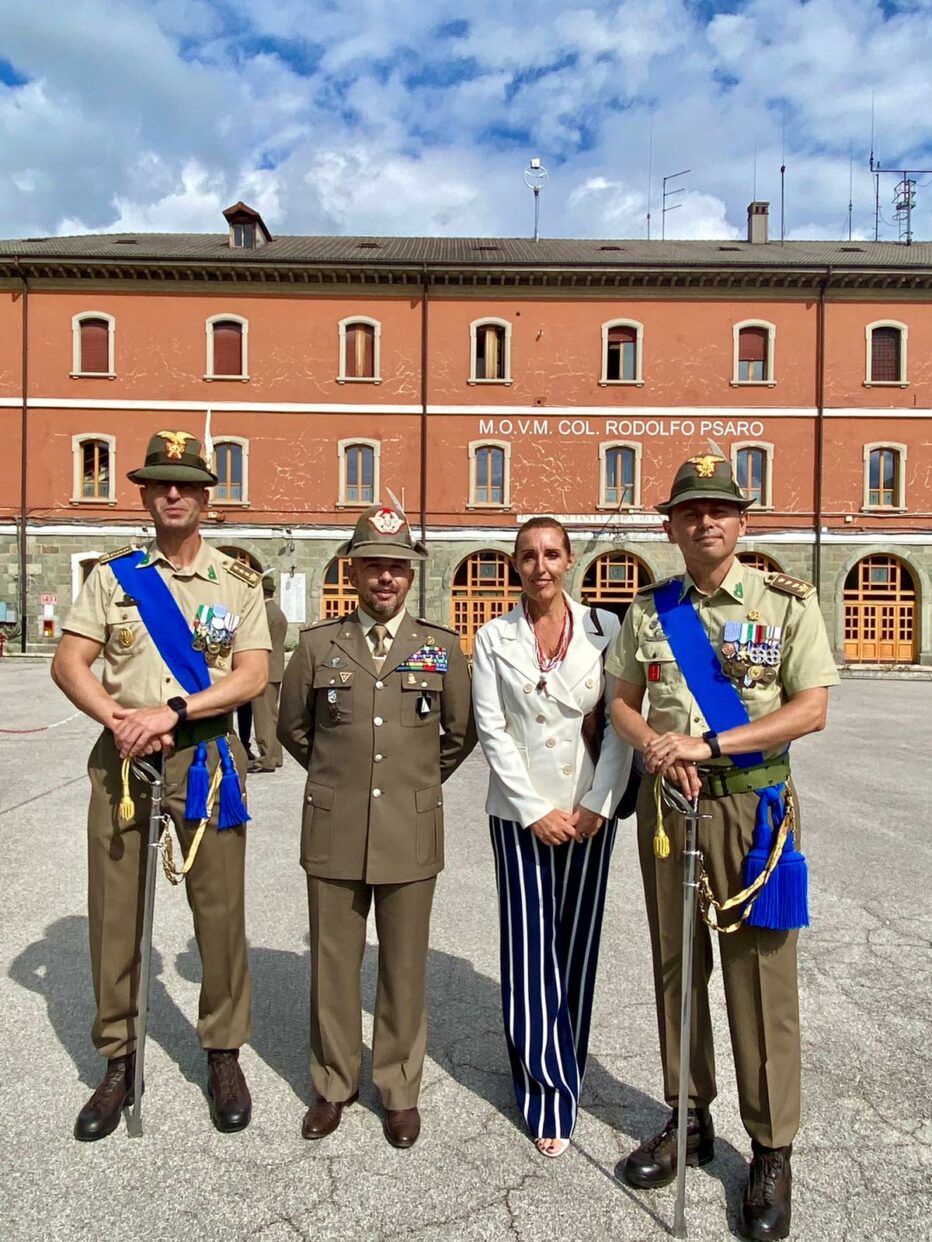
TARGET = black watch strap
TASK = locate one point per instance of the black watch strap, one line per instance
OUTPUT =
(712, 738)
(179, 705)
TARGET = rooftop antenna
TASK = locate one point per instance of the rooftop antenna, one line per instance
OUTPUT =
(754, 177)
(850, 186)
(535, 178)
(904, 198)
(783, 183)
(650, 169)
(669, 194)
(876, 175)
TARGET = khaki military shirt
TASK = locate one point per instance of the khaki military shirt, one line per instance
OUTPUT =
(792, 649)
(134, 672)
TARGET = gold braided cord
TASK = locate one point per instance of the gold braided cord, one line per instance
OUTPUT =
(127, 807)
(174, 874)
(661, 840)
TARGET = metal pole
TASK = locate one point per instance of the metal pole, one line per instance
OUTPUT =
(148, 772)
(537, 213)
(690, 811)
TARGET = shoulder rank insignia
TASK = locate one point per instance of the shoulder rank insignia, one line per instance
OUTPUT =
(315, 625)
(251, 577)
(113, 556)
(649, 587)
(434, 625)
(789, 586)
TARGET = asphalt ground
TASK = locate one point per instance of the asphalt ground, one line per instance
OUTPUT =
(862, 1161)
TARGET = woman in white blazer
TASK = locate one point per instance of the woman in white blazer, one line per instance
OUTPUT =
(537, 674)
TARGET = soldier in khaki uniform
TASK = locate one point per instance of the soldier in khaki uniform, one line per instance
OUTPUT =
(145, 711)
(265, 707)
(768, 635)
(376, 706)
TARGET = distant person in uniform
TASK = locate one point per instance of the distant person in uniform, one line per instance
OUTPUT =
(265, 707)
(145, 611)
(736, 665)
(376, 706)
(557, 776)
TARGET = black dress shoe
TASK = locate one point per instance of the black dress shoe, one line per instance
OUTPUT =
(653, 1164)
(765, 1212)
(402, 1126)
(230, 1101)
(100, 1116)
(323, 1117)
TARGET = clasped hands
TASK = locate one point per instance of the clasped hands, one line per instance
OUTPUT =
(556, 827)
(144, 731)
(675, 755)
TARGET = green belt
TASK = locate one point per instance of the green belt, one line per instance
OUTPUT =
(194, 731)
(720, 782)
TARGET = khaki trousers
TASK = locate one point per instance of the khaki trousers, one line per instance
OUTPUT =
(338, 912)
(265, 725)
(116, 881)
(758, 972)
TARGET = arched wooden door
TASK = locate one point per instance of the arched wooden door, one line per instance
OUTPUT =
(761, 561)
(881, 613)
(484, 586)
(612, 581)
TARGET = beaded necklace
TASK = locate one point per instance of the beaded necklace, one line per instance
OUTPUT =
(545, 663)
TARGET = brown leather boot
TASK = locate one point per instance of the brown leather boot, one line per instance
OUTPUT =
(766, 1210)
(100, 1116)
(653, 1164)
(230, 1101)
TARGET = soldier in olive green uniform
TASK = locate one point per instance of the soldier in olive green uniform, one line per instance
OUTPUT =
(145, 711)
(265, 707)
(768, 634)
(376, 705)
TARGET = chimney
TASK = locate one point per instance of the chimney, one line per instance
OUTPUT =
(758, 215)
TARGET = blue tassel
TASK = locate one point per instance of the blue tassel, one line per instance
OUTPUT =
(232, 807)
(794, 887)
(782, 904)
(195, 806)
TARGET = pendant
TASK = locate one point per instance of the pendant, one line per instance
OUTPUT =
(542, 685)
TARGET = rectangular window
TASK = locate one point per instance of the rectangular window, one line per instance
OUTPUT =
(229, 472)
(882, 488)
(752, 355)
(228, 348)
(95, 346)
(360, 474)
(490, 352)
(360, 351)
(885, 355)
(619, 476)
(490, 476)
(244, 236)
(95, 470)
(752, 474)
(621, 354)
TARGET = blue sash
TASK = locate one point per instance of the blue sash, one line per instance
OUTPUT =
(171, 634)
(782, 902)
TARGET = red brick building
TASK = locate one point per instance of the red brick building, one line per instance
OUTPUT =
(480, 381)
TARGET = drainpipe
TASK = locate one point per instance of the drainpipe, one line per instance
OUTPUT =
(820, 431)
(425, 299)
(23, 498)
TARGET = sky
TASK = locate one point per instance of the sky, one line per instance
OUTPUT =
(414, 118)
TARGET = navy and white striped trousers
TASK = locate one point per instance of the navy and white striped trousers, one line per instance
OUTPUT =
(551, 900)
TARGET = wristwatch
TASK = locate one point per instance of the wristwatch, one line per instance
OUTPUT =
(712, 739)
(179, 705)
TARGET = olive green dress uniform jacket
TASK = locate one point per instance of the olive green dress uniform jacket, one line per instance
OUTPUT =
(377, 746)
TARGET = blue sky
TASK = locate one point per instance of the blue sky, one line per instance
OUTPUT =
(382, 116)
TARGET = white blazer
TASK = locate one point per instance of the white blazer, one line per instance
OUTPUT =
(532, 738)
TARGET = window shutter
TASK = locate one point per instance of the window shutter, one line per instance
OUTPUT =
(95, 346)
(621, 335)
(885, 355)
(349, 355)
(368, 351)
(752, 346)
(228, 348)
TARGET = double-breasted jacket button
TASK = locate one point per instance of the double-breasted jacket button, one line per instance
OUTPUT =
(376, 793)
(589, 683)
(528, 688)
(310, 797)
(550, 743)
(379, 685)
(567, 769)
(377, 758)
(541, 719)
(377, 720)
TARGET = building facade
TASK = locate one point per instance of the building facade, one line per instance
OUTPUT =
(478, 381)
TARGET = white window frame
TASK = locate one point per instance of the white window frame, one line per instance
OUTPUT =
(243, 442)
(903, 381)
(638, 381)
(771, 380)
(76, 321)
(209, 328)
(486, 322)
(899, 504)
(376, 446)
(603, 475)
(77, 476)
(767, 446)
(376, 378)
(474, 447)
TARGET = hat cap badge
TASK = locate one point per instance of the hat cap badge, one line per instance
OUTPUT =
(387, 522)
(705, 465)
(175, 442)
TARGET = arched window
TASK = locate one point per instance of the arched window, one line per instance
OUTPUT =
(337, 596)
(760, 560)
(885, 476)
(484, 586)
(359, 472)
(92, 344)
(886, 352)
(360, 349)
(753, 352)
(93, 469)
(753, 469)
(881, 612)
(227, 337)
(489, 481)
(231, 466)
(622, 348)
(620, 481)
(612, 581)
(241, 555)
(490, 351)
